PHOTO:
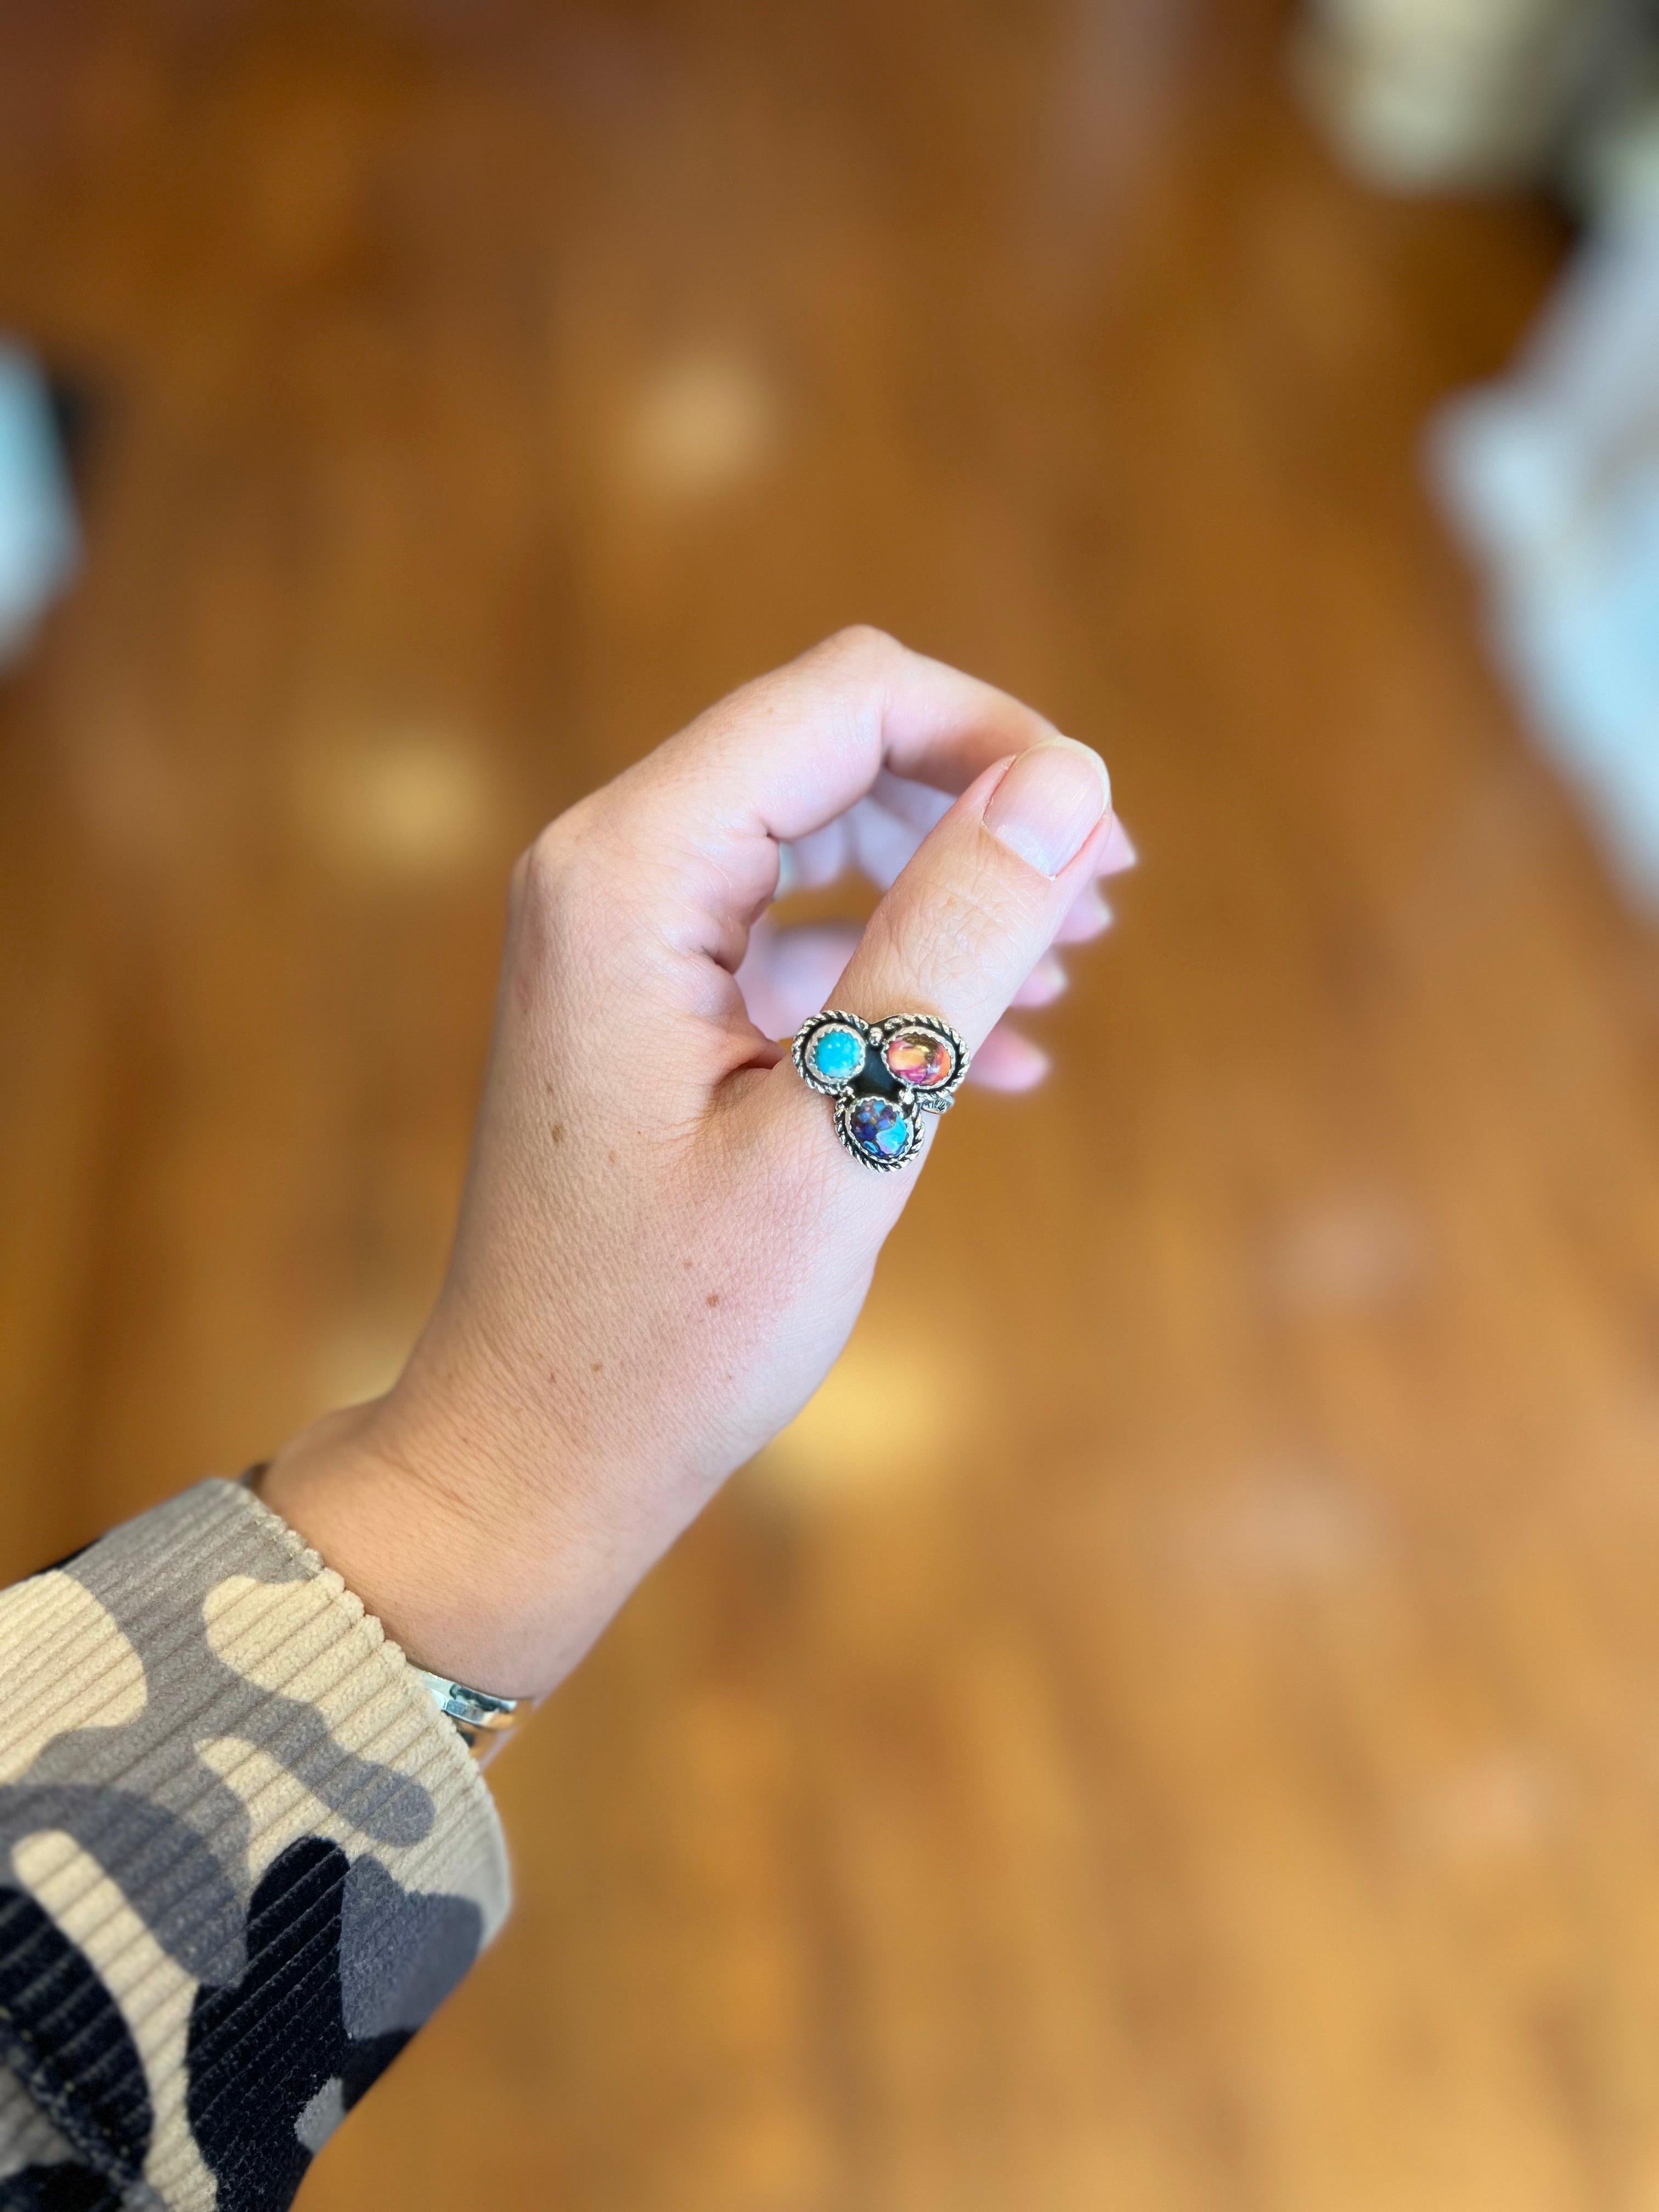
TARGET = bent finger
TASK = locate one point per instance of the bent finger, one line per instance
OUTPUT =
(970, 918)
(783, 757)
(958, 935)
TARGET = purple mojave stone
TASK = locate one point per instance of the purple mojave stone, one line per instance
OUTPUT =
(919, 1058)
(880, 1128)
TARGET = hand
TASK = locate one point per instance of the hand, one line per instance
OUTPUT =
(662, 1247)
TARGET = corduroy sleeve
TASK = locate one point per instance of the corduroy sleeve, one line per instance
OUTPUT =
(242, 1859)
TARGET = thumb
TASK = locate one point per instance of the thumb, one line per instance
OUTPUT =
(977, 906)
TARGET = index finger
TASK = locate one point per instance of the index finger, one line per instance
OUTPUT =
(793, 750)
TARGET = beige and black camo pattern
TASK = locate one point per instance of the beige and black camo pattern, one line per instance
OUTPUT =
(242, 1860)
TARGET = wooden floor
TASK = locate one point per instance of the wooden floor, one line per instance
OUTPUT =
(1211, 1759)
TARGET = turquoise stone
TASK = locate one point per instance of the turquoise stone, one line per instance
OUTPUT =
(878, 1127)
(837, 1054)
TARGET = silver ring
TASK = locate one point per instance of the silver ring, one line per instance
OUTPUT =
(483, 1720)
(883, 1075)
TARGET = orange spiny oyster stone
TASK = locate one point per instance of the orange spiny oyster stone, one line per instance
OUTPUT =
(919, 1058)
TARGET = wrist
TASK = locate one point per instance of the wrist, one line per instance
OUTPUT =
(467, 1581)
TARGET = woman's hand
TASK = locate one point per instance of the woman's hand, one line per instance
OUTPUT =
(662, 1247)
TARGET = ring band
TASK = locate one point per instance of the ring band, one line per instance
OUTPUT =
(883, 1077)
(483, 1721)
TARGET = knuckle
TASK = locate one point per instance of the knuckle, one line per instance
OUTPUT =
(549, 879)
(559, 853)
(946, 946)
(949, 933)
(542, 871)
(518, 887)
(861, 645)
(973, 932)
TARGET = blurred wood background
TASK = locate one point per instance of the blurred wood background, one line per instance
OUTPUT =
(1211, 1761)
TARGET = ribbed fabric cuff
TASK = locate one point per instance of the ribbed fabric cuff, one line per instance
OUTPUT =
(222, 1791)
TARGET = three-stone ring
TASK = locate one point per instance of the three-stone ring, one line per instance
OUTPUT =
(883, 1077)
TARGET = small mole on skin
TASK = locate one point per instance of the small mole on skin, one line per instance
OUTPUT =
(556, 1134)
(713, 1300)
(599, 1367)
(611, 1157)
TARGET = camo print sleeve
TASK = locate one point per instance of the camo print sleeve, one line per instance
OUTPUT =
(242, 1859)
